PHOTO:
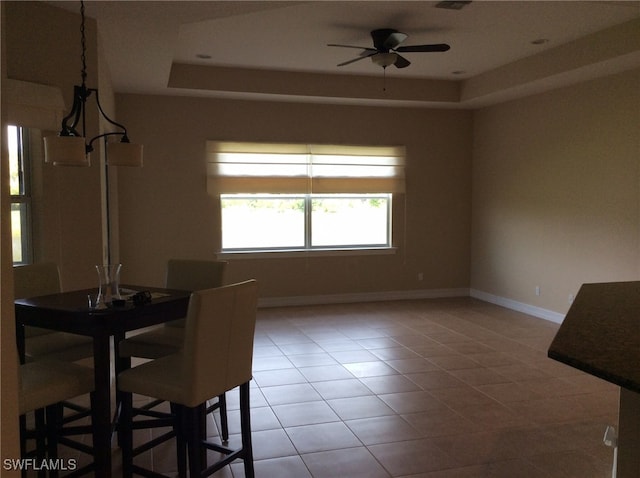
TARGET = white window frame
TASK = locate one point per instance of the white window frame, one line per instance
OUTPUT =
(249, 170)
(22, 200)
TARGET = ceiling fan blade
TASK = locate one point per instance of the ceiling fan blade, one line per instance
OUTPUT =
(352, 46)
(423, 48)
(394, 39)
(357, 59)
(401, 62)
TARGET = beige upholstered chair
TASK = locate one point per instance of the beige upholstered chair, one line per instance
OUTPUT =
(216, 357)
(182, 274)
(33, 280)
(44, 385)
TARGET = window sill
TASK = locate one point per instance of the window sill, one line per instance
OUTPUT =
(291, 253)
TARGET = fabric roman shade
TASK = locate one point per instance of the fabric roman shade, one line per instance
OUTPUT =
(279, 168)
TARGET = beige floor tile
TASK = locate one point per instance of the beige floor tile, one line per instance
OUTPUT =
(445, 388)
(322, 437)
(269, 444)
(389, 384)
(294, 393)
(323, 373)
(394, 353)
(350, 462)
(387, 429)
(312, 360)
(272, 378)
(354, 356)
(412, 365)
(413, 402)
(370, 369)
(479, 376)
(360, 407)
(342, 388)
(297, 414)
(435, 380)
(413, 456)
(285, 467)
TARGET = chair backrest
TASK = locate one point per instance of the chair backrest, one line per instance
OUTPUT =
(218, 354)
(193, 274)
(32, 280)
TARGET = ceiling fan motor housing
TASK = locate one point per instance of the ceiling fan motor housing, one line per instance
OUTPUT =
(385, 39)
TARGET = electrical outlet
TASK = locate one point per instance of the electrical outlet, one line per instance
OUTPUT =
(420, 276)
(537, 290)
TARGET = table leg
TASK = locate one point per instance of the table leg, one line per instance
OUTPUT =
(121, 364)
(102, 367)
(628, 434)
(20, 341)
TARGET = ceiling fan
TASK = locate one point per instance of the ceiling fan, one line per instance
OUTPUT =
(386, 49)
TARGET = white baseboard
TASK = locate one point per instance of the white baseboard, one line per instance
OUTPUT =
(362, 297)
(533, 310)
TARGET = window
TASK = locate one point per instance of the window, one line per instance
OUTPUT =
(304, 197)
(20, 194)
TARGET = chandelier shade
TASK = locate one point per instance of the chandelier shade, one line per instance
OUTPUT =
(65, 151)
(124, 154)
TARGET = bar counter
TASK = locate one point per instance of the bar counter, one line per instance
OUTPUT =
(601, 336)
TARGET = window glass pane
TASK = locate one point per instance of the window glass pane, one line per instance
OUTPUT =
(14, 161)
(18, 217)
(262, 221)
(345, 221)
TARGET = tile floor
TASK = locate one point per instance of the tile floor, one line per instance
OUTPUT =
(447, 388)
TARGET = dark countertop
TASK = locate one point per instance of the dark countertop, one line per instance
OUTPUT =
(601, 333)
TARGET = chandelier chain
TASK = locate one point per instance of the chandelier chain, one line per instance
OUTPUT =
(83, 40)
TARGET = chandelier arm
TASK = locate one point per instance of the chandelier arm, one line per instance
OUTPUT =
(125, 138)
(76, 111)
(95, 138)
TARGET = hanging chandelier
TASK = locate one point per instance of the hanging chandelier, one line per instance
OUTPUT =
(70, 147)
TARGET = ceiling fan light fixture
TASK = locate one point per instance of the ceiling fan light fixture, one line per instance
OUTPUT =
(384, 59)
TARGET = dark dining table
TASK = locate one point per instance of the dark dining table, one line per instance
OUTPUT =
(70, 312)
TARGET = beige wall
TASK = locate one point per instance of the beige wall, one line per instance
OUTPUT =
(165, 210)
(9, 431)
(67, 201)
(556, 192)
(67, 207)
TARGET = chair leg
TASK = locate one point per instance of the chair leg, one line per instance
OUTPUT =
(40, 435)
(23, 434)
(126, 434)
(193, 424)
(121, 364)
(245, 428)
(53, 425)
(181, 440)
(224, 423)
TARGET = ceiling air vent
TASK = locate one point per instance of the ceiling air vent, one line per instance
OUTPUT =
(453, 4)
